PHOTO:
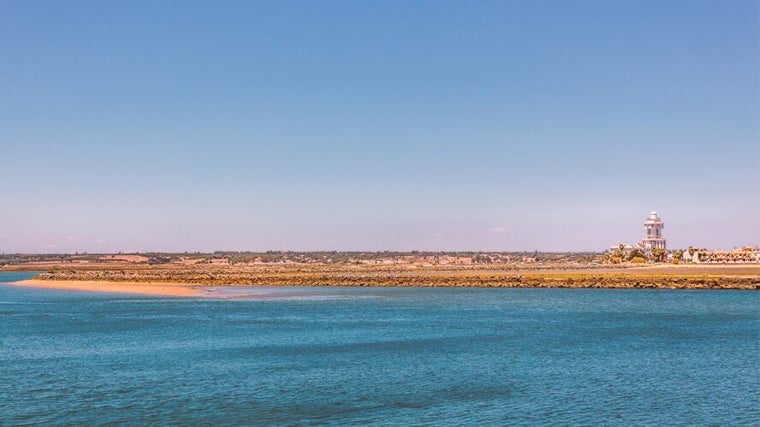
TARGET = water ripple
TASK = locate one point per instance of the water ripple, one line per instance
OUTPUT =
(398, 357)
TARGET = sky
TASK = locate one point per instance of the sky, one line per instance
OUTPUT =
(377, 125)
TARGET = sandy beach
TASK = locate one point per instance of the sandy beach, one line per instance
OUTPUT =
(141, 288)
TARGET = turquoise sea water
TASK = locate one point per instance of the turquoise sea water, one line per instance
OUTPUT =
(372, 356)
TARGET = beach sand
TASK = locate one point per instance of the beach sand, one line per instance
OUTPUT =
(141, 288)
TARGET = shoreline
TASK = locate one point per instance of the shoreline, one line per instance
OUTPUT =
(137, 288)
(195, 281)
(493, 276)
(201, 289)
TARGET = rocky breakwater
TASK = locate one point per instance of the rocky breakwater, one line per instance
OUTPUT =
(421, 277)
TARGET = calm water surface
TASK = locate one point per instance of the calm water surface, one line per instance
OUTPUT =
(342, 356)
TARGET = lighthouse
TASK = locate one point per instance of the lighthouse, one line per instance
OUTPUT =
(653, 238)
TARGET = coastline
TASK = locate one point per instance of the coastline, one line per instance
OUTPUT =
(191, 281)
(138, 288)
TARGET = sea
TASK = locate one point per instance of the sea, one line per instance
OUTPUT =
(335, 356)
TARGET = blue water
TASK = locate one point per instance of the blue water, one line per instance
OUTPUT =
(370, 356)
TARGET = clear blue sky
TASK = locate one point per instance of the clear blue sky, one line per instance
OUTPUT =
(388, 125)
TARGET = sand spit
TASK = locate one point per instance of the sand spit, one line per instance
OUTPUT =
(713, 277)
(139, 288)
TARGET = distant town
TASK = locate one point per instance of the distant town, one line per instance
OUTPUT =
(223, 258)
(648, 264)
(653, 248)
(622, 254)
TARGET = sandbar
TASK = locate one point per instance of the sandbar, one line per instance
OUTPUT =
(140, 288)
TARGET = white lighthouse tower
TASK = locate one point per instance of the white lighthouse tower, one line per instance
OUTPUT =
(653, 238)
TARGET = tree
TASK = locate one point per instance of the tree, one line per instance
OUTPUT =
(658, 254)
(636, 253)
(620, 252)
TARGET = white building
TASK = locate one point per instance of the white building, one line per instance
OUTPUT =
(653, 238)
